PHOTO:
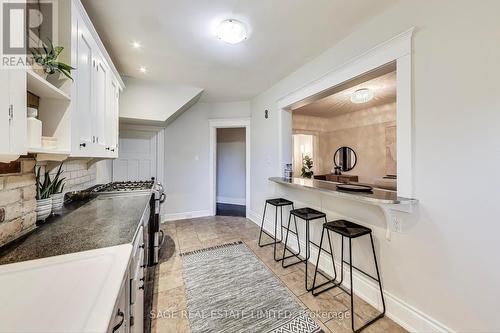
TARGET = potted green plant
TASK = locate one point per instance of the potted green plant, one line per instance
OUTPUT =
(307, 164)
(57, 189)
(46, 62)
(43, 199)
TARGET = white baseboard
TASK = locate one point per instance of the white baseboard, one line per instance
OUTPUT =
(406, 315)
(185, 215)
(231, 201)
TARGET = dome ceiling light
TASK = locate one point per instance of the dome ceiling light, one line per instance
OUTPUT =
(231, 31)
(363, 95)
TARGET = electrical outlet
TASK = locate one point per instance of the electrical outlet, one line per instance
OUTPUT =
(396, 224)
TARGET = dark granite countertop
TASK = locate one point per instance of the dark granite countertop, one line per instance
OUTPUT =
(377, 196)
(101, 222)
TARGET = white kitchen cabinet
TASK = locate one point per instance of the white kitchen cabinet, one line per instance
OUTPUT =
(97, 86)
(101, 105)
(83, 94)
(12, 114)
(119, 322)
(12, 111)
(112, 118)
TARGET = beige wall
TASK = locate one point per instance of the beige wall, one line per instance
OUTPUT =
(368, 132)
(435, 266)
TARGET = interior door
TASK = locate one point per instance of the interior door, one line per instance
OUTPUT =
(138, 156)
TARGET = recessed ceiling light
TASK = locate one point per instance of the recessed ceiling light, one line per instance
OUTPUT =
(231, 31)
(143, 69)
(136, 45)
(362, 96)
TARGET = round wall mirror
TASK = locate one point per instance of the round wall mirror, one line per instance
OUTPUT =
(345, 158)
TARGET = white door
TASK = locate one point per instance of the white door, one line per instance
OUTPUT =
(138, 156)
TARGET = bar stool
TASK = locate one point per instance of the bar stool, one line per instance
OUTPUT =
(307, 214)
(349, 230)
(278, 202)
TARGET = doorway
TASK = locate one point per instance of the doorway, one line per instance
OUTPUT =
(230, 172)
(229, 177)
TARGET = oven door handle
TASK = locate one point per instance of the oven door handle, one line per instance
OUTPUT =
(162, 238)
(162, 198)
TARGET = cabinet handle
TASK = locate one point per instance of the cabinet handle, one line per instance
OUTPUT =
(83, 145)
(117, 326)
(107, 148)
(11, 112)
(141, 287)
(113, 150)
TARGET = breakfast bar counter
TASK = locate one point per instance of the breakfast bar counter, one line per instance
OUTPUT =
(376, 196)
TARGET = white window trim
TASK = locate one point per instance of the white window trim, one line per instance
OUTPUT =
(398, 49)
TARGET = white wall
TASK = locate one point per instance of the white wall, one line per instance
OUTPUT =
(231, 162)
(153, 101)
(445, 262)
(186, 157)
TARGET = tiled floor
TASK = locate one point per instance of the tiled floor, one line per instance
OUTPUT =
(187, 235)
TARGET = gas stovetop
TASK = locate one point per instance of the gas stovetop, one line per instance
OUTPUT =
(123, 186)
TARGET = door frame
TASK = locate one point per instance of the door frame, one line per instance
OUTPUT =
(160, 147)
(214, 124)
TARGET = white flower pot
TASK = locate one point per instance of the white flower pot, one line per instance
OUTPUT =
(43, 209)
(57, 202)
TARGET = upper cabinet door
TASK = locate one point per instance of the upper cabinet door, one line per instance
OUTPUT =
(5, 112)
(101, 93)
(112, 118)
(83, 81)
(18, 104)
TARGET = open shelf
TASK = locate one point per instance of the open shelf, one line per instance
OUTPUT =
(42, 88)
(47, 154)
(42, 150)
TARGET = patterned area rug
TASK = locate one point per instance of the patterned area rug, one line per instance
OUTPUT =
(228, 289)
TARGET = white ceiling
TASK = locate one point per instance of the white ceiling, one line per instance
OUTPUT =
(179, 46)
(384, 92)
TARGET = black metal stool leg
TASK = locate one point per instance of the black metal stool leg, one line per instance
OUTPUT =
(356, 330)
(317, 261)
(332, 280)
(308, 255)
(378, 275)
(264, 231)
(352, 288)
(275, 232)
(286, 244)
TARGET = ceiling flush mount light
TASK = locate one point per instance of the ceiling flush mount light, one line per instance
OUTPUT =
(136, 45)
(231, 31)
(362, 96)
(143, 69)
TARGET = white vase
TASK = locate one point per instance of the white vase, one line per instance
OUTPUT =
(57, 202)
(43, 209)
